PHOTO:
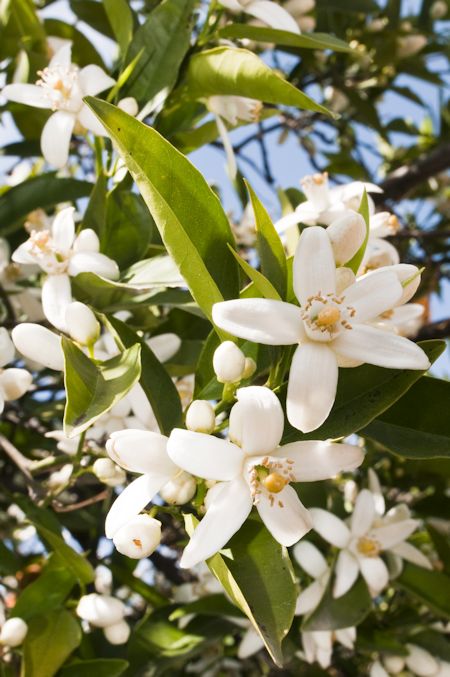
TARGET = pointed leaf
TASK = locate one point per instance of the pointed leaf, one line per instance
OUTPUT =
(50, 640)
(284, 38)
(344, 612)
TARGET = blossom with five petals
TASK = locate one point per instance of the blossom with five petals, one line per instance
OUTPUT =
(331, 329)
(252, 469)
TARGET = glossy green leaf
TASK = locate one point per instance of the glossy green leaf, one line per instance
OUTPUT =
(441, 543)
(97, 667)
(430, 587)
(121, 19)
(154, 379)
(50, 640)
(9, 561)
(191, 221)
(418, 425)
(94, 387)
(334, 614)
(257, 575)
(364, 393)
(262, 284)
(238, 72)
(93, 13)
(128, 228)
(211, 605)
(284, 38)
(355, 262)
(164, 40)
(270, 247)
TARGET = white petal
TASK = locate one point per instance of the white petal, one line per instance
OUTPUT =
(86, 241)
(7, 350)
(346, 572)
(56, 297)
(205, 455)
(330, 527)
(373, 295)
(39, 344)
(312, 386)
(314, 267)
(14, 383)
(310, 559)
(392, 534)
(164, 346)
(273, 15)
(375, 573)
(411, 554)
(140, 451)
(363, 514)
(131, 501)
(273, 323)
(90, 121)
(287, 221)
(31, 95)
(256, 420)
(346, 637)
(309, 598)
(420, 661)
(55, 138)
(63, 56)
(286, 518)
(141, 407)
(314, 460)
(377, 670)
(23, 254)
(250, 644)
(63, 230)
(375, 488)
(93, 262)
(227, 512)
(94, 80)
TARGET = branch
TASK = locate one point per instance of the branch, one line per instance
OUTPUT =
(23, 463)
(435, 330)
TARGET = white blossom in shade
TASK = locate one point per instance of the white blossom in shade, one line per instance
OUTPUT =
(270, 13)
(315, 565)
(61, 88)
(103, 579)
(13, 632)
(206, 584)
(179, 490)
(13, 382)
(418, 662)
(60, 254)
(100, 610)
(318, 646)
(58, 480)
(252, 469)
(362, 542)
(331, 329)
(108, 472)
(405, 320)
(200, 417)
(324, 204)
(379, 252)
(142, 452)
(82, 324)
(336, 99)
(228, 362)
(409, 45)
(438, 9)
(139, 537)
(299, 9)
(234, 109)
(118, 633)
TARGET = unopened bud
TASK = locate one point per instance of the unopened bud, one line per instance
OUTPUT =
(409, 277)
(108, 472)
(249, 367)
(14, 383)
(87, 241)
(346, 235)
(394, 664)
(6, 348)
(82, 324)
(179, 490)
(408, 45)
(117, 633)
(228, 362)
(438, 9)
(139, 537)
(129, 105)
(200, 417)
(39, 344)
(100, 610)
(344, 278)
(13, 632)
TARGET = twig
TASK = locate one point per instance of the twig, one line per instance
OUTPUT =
(58, 507)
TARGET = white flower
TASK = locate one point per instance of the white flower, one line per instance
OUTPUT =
(266, 11)
(362, 542)
(179, 490)
(318, 646)
(82, 324)
(438, 9)
(418, 661)
(331, 329)
(58, 480)
(13, 382)
(61, 254)
(13, 632)
(108, 472)
(117, 633)
(379, 252)
(61, 88)
(139, 537)
(228, 362)
(252, 469)
(100, 610)
(200, 417)
(234, 108)
(314, 563)
(408, 45)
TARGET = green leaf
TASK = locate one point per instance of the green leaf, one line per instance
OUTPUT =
(155, 381)
(334, 614)
(127, 228)
(364, 393)
(50, 640)
(270, 248)
(442, 545)
(43, 192)
(97, 667)
(238, 72)
(355, 263)
(212, 605)
(121, 19)
(257, 575)
(418, 425)
(431, 587)
(94, 387)
(9, 561)
(164, 40)
(435, 643)
(190, 219)
(284, 38)
(93, 13)
(261, 283)
(48, 591)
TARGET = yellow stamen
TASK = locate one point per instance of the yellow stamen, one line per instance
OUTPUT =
(137, 542)
(274, 482)
(328, 316)
(368, 547)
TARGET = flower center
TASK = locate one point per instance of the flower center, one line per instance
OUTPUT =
(58, 83)
(325, 316)
(41, 239)
(368, 547)
(270, 477)
(328, 316)
(274, 482)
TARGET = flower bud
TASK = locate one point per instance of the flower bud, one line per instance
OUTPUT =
(344, 278)
(139, 537)
(408, 45)
(57, 480)
(82, 324)
(13, 632)
(7, 350)
(200, 417)
(164, 346)
(249, 367)
(100, 610)
(179, 490)
(117, 633)
(39, 344)
(14, 383)
(228, 362)
(394, 664)
(129, 105)
(87, 241)
(108, 472)
(438, 9)
(346, 235)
